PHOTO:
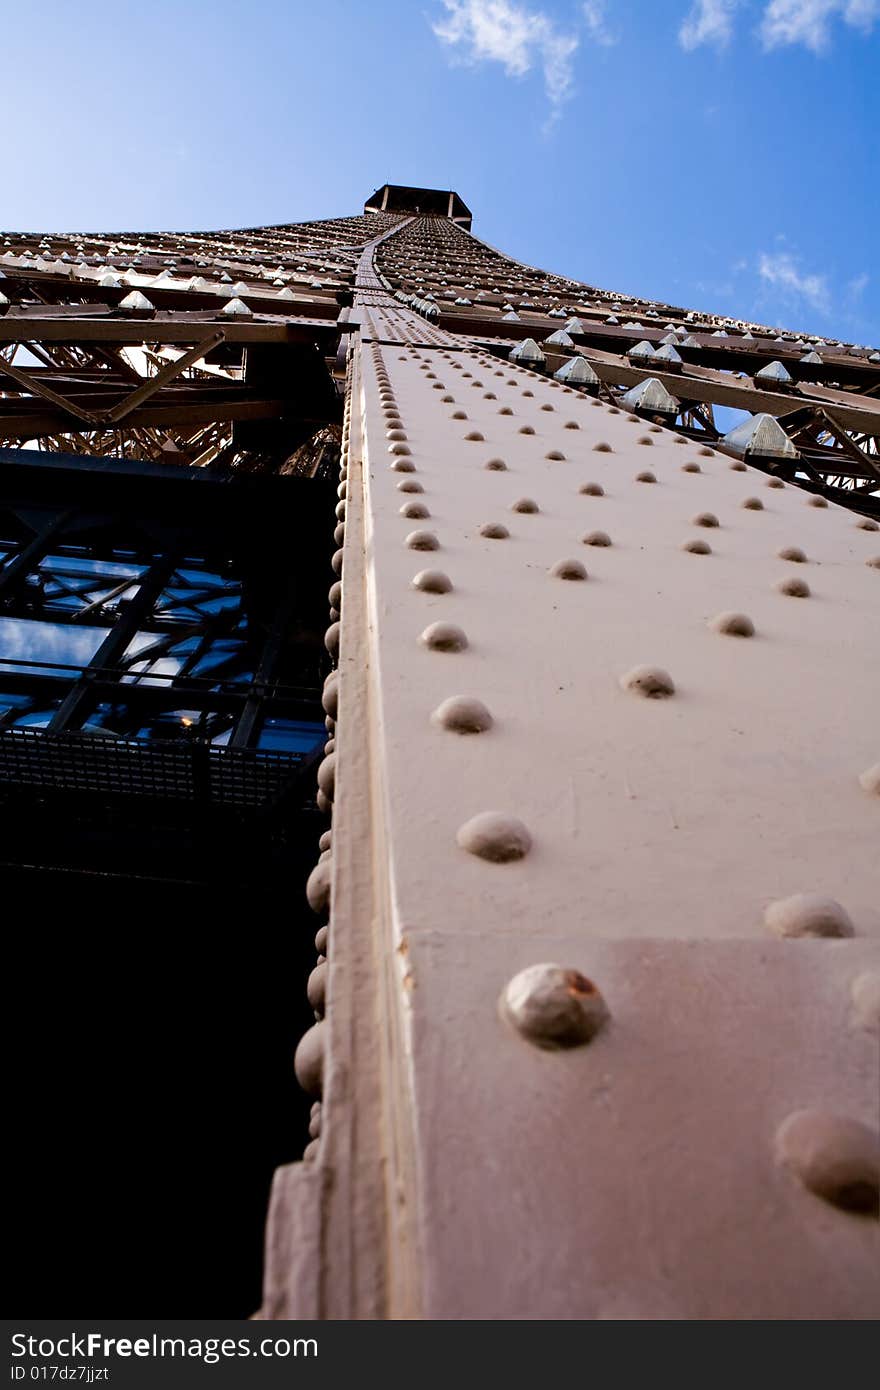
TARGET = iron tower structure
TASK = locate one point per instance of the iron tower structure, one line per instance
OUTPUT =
(354, 562)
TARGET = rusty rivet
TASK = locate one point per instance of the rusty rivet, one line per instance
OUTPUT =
(650, 681)
(794, 587)
(318, 887)
(793, 553)
(554, 1006)
(308, 1062)
(422, 540)
(462, 714)
(732, 625)
(833, 1156)
(568, 569)
(494, 531)
(498, 838)
(696, 547)
(808, 914)
(416, 511)
(869, 780)
(444, 637)
(432, 582)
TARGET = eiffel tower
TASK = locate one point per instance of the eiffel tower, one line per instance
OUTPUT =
(451, 687)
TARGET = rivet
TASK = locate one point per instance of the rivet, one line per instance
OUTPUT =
(311, 1150)
(318, 887)
(339, 533)
(691, 467)
(315, 1121)
(869, 780)
(496, 465)
(696, 547)
(644, 439)
(596, 538)
(592, 489)
(395, 434)
(650, 681)
(331, 639)
(422, 540)
(316, 988)
(555, 455)
(733, 625)
(325, 841)
(816, 502)
(458, 415)
(808, 914)
(340, 510)
(737, 466)
(571, 425)
(327, 776)
(493, 530)
(462, 715)
(752, 504)
(633, 419)
(706, 453)
(444, 637)
(865, 996)
(646, 476)
(612, 409)
(308, 1062)
(322, 936)
(792, 553)
(524, 504)
(774, 482)
(865, 523)
(554, 1007)
(546, 406)
(794, 587)
(704, 519)
(474, 437)
(834, 1157)
(568, 569)
(409, 485)
(322, 803)
(495, 837)
(432, 582)
(402, 466)
(336, 561)
(415, 511)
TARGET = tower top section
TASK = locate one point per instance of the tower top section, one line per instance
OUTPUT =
(433, 202)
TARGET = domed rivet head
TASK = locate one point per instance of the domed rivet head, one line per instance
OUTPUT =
(399, 449)
(691, 467)
(795, 588)
(808, 914)
(474, 437)
(308, 1062)
(409, 485)
(792, 553)
(318, 887)
(706, 453)
(462, 714)
(572, 425)
(834, 1157)
(496, 466)
(322, 937)
(331, 639)
(422, 540)
(495, 837)
(311, 1150)
(646, 476)
(327, 776)
(752, 504)
(458, 415)
(592, 490)
(415, 511)
(652, 682)
(732, 625)
(402, 466)
(395, 434)
(493, 530)
(336, 562)
(865, 996)
(444, 637)
(644, 439)
(865, 523)
(554, 1007)
(315, 1121)
(524, 504)
(325, 840)
(324, 805)
(704, 519)
(330, 696)
(869, 780)
(816, 502)
(737, 466)
(696, 547)
(316, 987)
(526, 429)
(873, 562)
(432, 582)
(334, 595)
(339, 533)
(596, 538)
(568, 569)
(774, 482)
(555, 455)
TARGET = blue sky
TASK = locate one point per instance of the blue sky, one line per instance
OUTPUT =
(717, 153)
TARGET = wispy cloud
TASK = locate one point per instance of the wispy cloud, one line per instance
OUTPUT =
(597, 26)
(709, 21)
(780, 270)
(857, 286)
(515, 36)
(808, 22)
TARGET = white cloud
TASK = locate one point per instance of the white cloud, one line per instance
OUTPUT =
(780, 270)
(709, 21)
(513, 35)
(594, 18)
(808, 21)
